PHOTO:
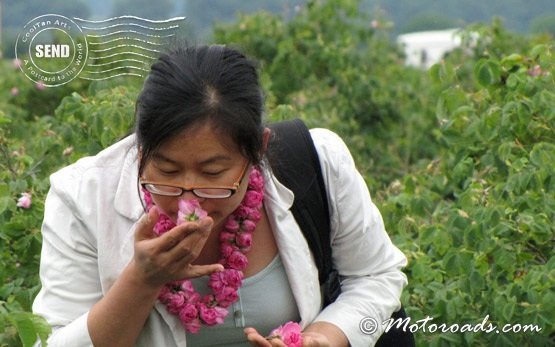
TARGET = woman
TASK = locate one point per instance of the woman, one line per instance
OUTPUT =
(112, 274)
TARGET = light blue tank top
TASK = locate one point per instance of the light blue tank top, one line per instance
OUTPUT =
(265, 302)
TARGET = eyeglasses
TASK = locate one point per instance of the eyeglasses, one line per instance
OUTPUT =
(167, 189)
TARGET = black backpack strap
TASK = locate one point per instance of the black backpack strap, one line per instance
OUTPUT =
(295, 163)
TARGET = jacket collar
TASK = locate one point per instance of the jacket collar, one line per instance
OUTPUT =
(126, 201)
(293, 249)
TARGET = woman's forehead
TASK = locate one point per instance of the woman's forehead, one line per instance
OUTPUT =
(202, 143)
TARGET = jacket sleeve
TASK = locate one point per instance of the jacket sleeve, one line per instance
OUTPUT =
(68, 267)
(368, 263)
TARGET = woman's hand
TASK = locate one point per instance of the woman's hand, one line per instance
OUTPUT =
(310, 339)
(168, 257)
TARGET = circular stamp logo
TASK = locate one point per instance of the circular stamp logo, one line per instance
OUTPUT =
(52, 48)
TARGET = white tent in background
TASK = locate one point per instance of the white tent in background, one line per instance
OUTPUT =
(425, 48)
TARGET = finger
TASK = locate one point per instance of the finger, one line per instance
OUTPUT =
(193, 271)
(171, 238)
(146, 225)
(255, 338)
(277, 342)
(191, 244)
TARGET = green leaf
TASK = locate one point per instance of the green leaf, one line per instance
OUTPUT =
(30, 327)
(5, 198)
(487, 72)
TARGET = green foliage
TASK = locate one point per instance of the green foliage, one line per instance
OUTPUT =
(33, 145)
(476, 223)
(459, 158)
(334, 68)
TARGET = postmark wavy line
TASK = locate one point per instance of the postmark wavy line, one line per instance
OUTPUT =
(129, 32)
(131, 25)
(131, 17)
(124, 46)
(124, 39)
(118, 61)
(125, 53)
(113, 76)
(118, 68)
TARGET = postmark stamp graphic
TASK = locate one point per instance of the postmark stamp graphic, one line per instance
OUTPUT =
(53, 50)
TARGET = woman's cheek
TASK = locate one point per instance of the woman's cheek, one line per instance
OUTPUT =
(167, 204)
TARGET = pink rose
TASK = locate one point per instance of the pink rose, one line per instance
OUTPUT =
(40, 85)
(253, 198)
(248, 225)
(24, 201)
(188, 313)
(232, 225)
(233, 278)
(217, 281)
(244, 240)
(212, 315)
(187, 287)
(14, 91)
(16, 63)
(176, 302)
(254, 214)
(189, 211)
(193, 326)
(227, 278)
(226, 249)
(164, 224)
(256, 182)
(147, 197)
(290, 334)
(227, 236)
(227, 296)
(165, 295)
(535, 71)
(237, 261)
(189, 292)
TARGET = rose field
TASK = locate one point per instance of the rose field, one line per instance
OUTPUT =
(460, 160)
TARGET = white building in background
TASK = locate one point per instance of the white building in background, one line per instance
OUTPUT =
(425, 48)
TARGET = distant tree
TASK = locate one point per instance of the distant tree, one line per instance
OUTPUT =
(17, 13)
(203, 14)
(429, 21)
(159, 9)
(543, 24)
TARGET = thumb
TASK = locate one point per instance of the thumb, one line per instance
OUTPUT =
(146, 225)
(194, 271)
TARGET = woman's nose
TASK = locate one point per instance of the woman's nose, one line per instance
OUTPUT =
(188, 195)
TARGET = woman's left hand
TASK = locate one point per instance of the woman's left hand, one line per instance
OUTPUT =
(310, 339)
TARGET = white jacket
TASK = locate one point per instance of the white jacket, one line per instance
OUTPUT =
(89, 224)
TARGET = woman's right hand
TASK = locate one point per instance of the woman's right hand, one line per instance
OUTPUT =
(169, 257)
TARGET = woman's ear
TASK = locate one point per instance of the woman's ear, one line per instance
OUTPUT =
(265, 140)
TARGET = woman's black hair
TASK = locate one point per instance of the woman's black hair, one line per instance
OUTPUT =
(191, 85)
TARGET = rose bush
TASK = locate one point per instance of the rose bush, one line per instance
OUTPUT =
(460, 160)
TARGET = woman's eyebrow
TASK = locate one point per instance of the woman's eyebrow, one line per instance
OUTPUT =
(215, 158)
(160, 157)
(210, 160)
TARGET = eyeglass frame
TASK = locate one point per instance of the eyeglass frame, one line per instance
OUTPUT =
(232, 189)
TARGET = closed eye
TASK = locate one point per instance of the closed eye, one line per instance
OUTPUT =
(169, 172)
(214, 173)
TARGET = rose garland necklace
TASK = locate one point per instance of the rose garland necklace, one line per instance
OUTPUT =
(180, 297)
